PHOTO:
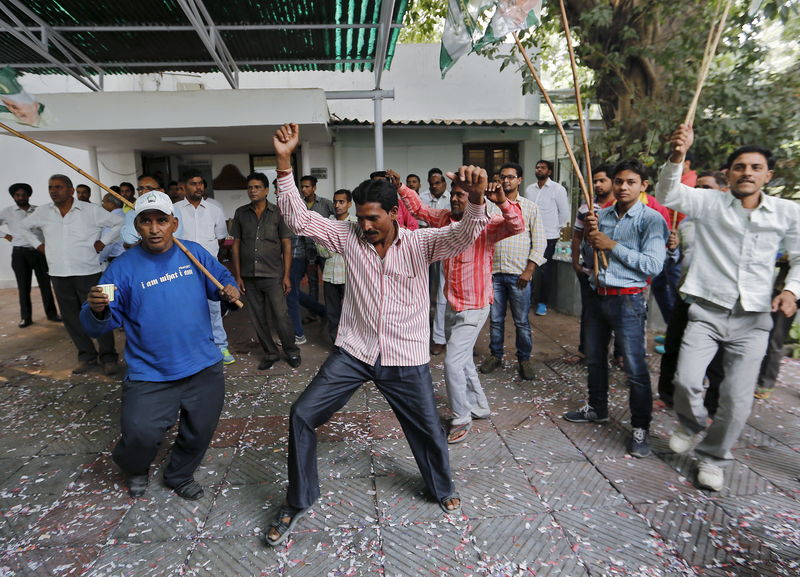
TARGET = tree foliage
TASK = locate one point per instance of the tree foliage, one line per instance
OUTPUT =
(644, 57)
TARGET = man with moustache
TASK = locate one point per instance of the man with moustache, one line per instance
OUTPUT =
(383, 334)
(634, 238)
(174, 369)
(468, 289)
(25, 259)
(737, 236)
(73, 264)
(436, 197)
(262, 259)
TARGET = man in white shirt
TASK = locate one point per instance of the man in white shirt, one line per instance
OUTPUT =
(436, 197)
(74, 233)
(737, 235)
(25, 259)
(204, 223)
(554, 213)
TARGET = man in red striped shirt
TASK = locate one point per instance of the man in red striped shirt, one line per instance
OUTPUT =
(468, 290)
(383, 332)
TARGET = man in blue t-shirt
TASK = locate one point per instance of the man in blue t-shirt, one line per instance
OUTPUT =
(160, 299)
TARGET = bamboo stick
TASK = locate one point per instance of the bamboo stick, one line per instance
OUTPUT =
(83, 173)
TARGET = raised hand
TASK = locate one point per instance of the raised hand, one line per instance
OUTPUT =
(472, 180)
(680, 141)
(495, 193)
(394, 178)
(285, 142)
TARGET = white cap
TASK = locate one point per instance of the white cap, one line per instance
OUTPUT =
(153, 200)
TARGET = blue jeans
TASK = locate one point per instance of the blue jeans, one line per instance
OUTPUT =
(665, 288)
(297, 298)
(625, 315)
(506, 291)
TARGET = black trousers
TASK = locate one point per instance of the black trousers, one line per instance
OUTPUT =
(548, 273)
(71, 292)
(771, 365)
(669, 361)
(334, 296)
(25, 262)
(409, 391)
(265, 303)
(150, 408)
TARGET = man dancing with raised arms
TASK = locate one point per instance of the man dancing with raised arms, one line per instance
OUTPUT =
(384, 331)
(737, 236)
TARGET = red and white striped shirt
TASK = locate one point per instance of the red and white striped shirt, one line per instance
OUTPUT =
(468, 276)
(386, 304)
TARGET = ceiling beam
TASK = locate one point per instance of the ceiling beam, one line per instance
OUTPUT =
(209, 35)
(382, 45)
(220, 27)
(77, 63)
(180, 65)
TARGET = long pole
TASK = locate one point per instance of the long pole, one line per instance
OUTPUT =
(124, 200)
(584, 136)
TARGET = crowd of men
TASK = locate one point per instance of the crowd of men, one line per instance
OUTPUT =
(409, 274)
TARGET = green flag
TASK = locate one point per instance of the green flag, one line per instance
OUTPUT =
(15, 103)
(463, 34)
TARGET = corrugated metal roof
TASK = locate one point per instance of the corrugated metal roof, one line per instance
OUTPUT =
(156, 35)
(502, 123)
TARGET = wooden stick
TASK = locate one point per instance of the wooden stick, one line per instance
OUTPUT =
(714, 35)
(584, 138)
(125, 201)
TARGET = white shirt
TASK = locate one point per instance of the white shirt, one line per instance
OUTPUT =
(443, 202)
(734, 248)
(204, 225)
(553, 206)
(11, 217)
(69, 240)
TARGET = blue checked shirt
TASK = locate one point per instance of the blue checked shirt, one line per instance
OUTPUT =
(641, 237)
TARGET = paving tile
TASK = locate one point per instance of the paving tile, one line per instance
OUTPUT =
(18, 515)
(212, 469)
(497, 492)
(258, 465)
(100, 476)
(506, 416)
(266, 431)
(161, 516)
(55, 562)
(164, 559)
(572, 485)
(240, 556)
(438, 548)
(479, 450)
(350, 552)
(540, 444)
(343, 459)
(699, 530)
(748, 568)
(66, 525)
(228, 432)
(596, 441)
(11, 465)
(342, 503)
(643, 480)
(779, 464)
(403, 499)
(519, 545)
(618, 542)
(384, 425)
(345, 426)
(46, 475)
(391, 457)
(243, 510)
(79, 439)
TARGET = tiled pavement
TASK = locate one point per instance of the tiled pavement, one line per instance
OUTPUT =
(541, 496)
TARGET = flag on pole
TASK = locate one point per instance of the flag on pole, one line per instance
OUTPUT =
(15, 103)
(462, 31)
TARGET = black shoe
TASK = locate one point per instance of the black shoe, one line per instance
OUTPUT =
(189, 490)
(586, 414)
(55, 319)
(84, 367)
(638, 446)
(294, 361)
(25, 323)
(265, 364)
(137, 485)
(111, 368)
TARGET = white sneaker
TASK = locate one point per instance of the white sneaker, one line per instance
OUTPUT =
(300, 340)
(681, 440)
(710, 476)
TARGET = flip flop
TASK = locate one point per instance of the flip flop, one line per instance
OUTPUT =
(574, 359)
(446, 499)
(458, 433)
(283, 528)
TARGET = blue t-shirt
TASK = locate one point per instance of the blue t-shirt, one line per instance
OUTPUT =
(161, 300)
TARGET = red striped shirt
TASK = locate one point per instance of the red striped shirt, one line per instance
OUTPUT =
(468, 276)
(386, 304)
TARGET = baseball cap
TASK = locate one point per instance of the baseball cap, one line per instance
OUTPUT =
(153, 200)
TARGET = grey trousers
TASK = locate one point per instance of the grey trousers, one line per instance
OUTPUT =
(742, 337)
(464, 389)
(266, 303)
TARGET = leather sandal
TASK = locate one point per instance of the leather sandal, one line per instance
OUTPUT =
(453, 511)
(458, 433)
(283, 527)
